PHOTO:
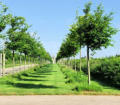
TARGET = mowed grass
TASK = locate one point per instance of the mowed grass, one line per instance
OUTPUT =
(50, 80)
(46, 80)
(79, 81)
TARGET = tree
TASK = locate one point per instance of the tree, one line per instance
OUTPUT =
(18, 26)
(97, 30)
(4, 21)
(32, 47)
(79, 33)
(4, 17)
(68, 48)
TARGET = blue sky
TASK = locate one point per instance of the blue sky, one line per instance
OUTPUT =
(51, 20)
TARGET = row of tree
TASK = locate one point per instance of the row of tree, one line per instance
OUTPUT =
(17, 37)
(92, 30)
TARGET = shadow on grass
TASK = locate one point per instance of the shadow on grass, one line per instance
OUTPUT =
(30, 85)
(40, 74)
(31, 80)
(45, 71)
(24, 80)
(105, 84)
(36, 76)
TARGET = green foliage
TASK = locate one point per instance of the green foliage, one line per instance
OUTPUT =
(97, 28)
(67, 49)
(69, 46)
(4, 18)
(106, 70)
(79, 79)
(18, 39)
(92, 30)
(17, 26)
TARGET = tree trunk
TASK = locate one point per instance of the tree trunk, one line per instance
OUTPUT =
(13, 60)
(34, 61)
(20, 61)
(68, 62)
(80, 60)
(3, 63)
(88, 64)
(75, 63)
(25, 62)
(29, 62)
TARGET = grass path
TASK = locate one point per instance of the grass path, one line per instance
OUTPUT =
(45, 80)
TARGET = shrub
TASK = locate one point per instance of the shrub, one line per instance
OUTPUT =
(86, 87)
(105, 69)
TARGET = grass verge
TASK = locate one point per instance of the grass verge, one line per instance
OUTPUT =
(79, 81)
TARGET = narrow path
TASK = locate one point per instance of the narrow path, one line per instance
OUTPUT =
(18, 68)
(55, 78)
(59, 100)
(15, 69)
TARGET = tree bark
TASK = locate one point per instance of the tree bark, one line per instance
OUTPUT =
(25, 62)
(75, 63)
(29, 61)
(13, 60)
(88, 64)
(20, 61)
(70, 60)
(3, 63)
(80, 60)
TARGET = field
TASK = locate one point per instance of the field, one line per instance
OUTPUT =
(45, 80)
(51, 80)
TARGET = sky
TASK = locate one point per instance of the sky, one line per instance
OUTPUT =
(51, 19)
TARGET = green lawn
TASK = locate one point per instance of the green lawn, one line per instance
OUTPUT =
(79, 81)
(45, 80)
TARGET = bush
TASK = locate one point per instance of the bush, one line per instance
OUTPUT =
(86, 87)
(105, 69)
(108, 71)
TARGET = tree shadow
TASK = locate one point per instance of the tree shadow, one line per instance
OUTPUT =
(105, 84)
(49, 72)
(36, 76)
(31, 79)
(23, 80)
(30, 85)
(40, 73)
